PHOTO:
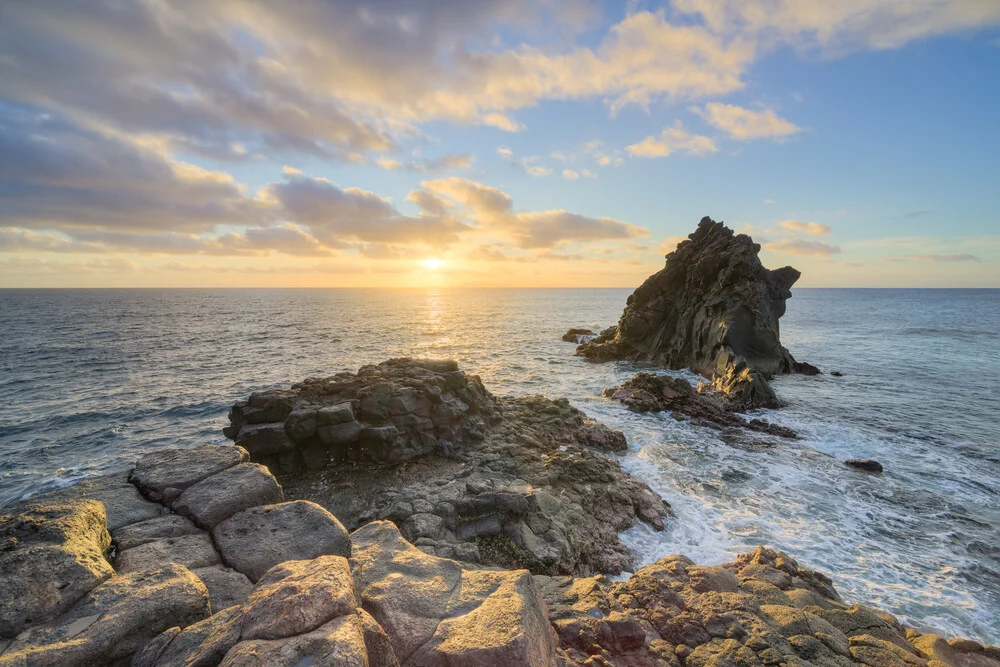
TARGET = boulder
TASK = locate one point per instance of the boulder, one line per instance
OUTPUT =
(123, 503)
(713, 308)
(200, 644)
(396, 411)
(216, 498)
(226, 587)
(293, 600)
(437, 614)
(51, 555)
(163, 475)
(170, 525)
(339, 643)
(255, 540)
(114, 620)
(191, 551)
(868, 465)
(578, 335)
(705, 406)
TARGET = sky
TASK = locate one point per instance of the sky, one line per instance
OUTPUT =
(495, 143)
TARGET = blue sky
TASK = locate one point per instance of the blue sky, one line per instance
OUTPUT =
(507, 143)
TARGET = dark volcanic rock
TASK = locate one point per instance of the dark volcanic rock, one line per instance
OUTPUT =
(396, 411)
(713, 308)
(519, 482)
(578, 336)
(871, 465)
(647, 392)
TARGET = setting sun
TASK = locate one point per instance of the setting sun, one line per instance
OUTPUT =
(432, 264)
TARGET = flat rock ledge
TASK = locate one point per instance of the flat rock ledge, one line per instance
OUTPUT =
(373, 599)
(510, 482)
(703, 405)
(713, 309)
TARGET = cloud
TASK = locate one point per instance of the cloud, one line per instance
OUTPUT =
(768, 202)
(672, 139)
(841, 27)
(935, 259)
(334, 215)
(604, 158)
(570, 175)
(810, 228)
(803, 248)
(744, 124)
(54, 173)
(492, 210)
(443, 163)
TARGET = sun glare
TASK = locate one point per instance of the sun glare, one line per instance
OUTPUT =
(432, 264)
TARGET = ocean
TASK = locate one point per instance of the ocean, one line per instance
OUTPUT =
(93, 379)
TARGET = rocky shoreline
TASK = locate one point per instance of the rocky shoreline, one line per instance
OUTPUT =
(493, 548)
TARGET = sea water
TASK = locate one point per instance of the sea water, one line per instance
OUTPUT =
(92, 379)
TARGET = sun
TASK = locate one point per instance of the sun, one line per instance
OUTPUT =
(432, 264)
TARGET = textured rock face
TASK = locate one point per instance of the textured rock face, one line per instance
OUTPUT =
(661, 393)
(713, 308)
(762, 609)
(516, 482)
(436, 613)
(114, 620)
(255, 540)
(396, 411)
(51, 555)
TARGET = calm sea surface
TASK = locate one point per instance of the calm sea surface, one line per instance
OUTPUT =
(92, 379)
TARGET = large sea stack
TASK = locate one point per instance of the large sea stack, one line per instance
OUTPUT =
(713, 308)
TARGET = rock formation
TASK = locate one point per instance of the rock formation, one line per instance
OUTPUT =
(374, 599)
(647, 392)
(713, 308)
(526, 482)
(578, 335)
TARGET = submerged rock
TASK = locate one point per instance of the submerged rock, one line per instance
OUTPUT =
(714, 309)
(870, 465)
(517, 482)
(578, 336)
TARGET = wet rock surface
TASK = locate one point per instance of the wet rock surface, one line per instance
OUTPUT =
(578, 335)
(647, 392)
(714, 309)
(868, 465)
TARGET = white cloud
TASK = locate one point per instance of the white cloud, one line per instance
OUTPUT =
(492, 211)
(810, 228)
(800, 247)
(745, 124)
(842, 26)
(570, 175)
(672, 139)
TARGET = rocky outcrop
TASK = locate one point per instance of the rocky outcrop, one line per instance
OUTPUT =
(578, 335)
(516, 482)
(384, 601)
(713, 308)
(259, 538)
(762, 609)
(51, 555)
(397, 411)
(114, 620)
(647, 392)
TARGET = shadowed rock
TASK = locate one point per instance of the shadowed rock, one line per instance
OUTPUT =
(714, 309)
(516, 482)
